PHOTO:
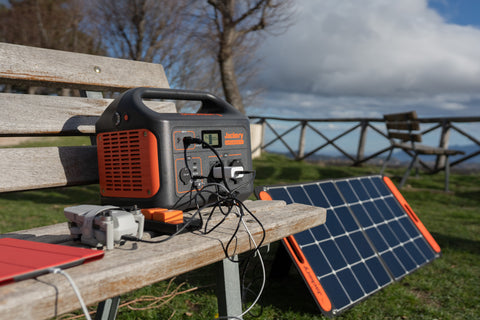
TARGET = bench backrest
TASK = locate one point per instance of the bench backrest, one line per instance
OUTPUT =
(25, 115)
(403, 126)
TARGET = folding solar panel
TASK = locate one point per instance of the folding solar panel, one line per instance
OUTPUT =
(371, 238)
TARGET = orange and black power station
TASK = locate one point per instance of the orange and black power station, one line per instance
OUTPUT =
(172, 160)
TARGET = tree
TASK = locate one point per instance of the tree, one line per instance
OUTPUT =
(206, 45)
(152, 31)
(53, 24)
(236, 27)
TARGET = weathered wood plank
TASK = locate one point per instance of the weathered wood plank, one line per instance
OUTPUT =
(24, 114)
(405, 136)
(54, 68)
(407, 125)
(427, 150)
(34, 168)
(402, 116)
(141, 264)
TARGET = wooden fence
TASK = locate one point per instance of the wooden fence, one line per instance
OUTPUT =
(360, 128)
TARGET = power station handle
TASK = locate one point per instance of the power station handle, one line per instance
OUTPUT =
(210, 102)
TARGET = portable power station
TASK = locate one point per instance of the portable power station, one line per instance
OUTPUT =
(172, 160)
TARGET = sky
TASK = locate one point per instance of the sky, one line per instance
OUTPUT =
(364, 58)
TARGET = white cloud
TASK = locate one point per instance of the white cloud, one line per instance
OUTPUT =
(375, 49)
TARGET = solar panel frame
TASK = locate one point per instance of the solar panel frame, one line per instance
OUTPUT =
(371, 238)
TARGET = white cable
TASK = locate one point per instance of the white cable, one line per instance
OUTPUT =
(263, 272)
(75, 289)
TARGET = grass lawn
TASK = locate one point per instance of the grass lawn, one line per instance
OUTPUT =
(448, 288)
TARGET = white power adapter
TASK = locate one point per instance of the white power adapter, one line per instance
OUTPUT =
(229, 172)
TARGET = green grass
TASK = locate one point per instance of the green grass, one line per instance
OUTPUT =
(448, 288)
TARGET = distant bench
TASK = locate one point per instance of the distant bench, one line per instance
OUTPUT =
(403, 130)
(120, 271)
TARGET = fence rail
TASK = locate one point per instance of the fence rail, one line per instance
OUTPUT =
(442, 127)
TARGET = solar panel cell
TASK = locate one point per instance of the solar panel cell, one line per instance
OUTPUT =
(388, 235)
(317, 259)
(347, 192)
(316, 195)
(334, 226)
(359, 190)
(366, 281)
(351, 285)
(346, 218)
(425, 249)
(399, 231)
(361, 214)
(299, 196)
(334, 255)
(384, 210)
(377, 240)
(381, 276)
(334, 289)
(348, 248)
(320, 233)
(373, 212)
(393, 264)
(368, 241)
(332, 194)
(362, 244)
(304, 237)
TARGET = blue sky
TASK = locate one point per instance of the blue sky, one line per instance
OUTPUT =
(354, 58)
(462, 12)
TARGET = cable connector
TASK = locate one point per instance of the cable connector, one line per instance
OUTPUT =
(229, 172)
(191, 140)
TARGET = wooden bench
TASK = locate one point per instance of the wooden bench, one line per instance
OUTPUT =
(403, 132)
(137, 264)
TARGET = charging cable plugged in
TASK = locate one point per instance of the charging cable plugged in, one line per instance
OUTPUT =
(229, 172)
(75, 289)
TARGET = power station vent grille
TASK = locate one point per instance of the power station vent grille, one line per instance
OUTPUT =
(128, 163)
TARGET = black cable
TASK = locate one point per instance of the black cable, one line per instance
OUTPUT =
(225, 198)
(225, 203)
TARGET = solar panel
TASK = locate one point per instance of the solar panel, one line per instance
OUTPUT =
(371, 238)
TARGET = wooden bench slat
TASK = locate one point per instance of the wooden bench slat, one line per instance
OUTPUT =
(427, 150)
(141, 264)
(403, 116)
(54, 68)
(34, 168)
(410, 125)
(24, 114)
(405, 136)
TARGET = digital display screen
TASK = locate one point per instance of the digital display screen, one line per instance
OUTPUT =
(213, 138)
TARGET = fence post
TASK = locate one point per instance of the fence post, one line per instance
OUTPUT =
(444, 140)
(301, 141)
(263, 134)
(256, 139)
(362, 140)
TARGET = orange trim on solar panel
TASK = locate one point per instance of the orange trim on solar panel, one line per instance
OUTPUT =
(264, 195)
(308, 273)
(304, 267)
(412, 215)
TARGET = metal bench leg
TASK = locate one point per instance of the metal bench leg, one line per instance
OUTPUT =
(229, 295)
(107, 310)
(407, 173)
(447, 173)
(384, 166)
